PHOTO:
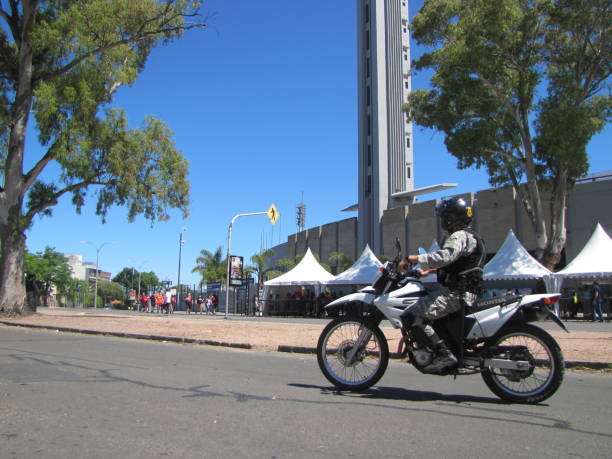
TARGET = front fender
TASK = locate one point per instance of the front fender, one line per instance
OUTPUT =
(364, 299)
(361, 297)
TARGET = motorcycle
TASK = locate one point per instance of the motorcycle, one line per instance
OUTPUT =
(519, 362)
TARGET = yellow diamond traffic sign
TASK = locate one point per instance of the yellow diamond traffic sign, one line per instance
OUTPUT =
(273, 214)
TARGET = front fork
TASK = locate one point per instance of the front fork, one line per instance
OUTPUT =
(363, 338)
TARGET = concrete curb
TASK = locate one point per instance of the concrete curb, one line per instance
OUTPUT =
(395, 355)
(281, 348)
(173, 339)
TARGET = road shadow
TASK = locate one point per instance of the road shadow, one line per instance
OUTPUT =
(398, 393)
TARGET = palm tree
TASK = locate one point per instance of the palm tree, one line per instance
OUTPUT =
(260, 260)
(285, 264)
(211, 266)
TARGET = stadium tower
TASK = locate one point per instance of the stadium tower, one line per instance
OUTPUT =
(384, 132)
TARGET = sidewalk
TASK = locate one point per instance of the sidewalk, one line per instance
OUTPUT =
(590, 349)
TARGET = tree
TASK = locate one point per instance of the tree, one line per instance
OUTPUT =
(49, 267)
(148, 281)
(341, 260)
(78, 293)
(110, 291)
(128, 278)
(211, 266)
(285, 264)
(519, 88)
(273, 273)
(62, 62)
(260, 261)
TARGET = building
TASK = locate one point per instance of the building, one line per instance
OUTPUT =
(85, 270)
(496, 210)
(384, 132)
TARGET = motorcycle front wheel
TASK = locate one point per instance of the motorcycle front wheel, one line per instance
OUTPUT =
(346, 367)
(545, 373)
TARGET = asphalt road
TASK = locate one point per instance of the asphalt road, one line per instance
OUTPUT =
(64, 395)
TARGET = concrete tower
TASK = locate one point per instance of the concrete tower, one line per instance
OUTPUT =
(385, 134)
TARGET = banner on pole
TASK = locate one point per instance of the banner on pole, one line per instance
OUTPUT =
(236, 268)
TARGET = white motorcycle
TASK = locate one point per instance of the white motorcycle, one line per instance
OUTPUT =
(518, 361)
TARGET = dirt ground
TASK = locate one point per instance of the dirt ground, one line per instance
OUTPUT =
(267, 335)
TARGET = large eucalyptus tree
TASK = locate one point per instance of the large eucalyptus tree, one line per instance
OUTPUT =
(60, 63)
(519, 87)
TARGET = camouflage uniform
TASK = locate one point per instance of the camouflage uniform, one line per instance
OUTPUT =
(442, 301)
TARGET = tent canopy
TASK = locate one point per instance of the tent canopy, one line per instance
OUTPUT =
(594, 260)
(362, 272)
(512, 261)
(307, 272)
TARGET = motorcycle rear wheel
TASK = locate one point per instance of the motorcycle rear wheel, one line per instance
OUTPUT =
(535, 384)
(335, 344)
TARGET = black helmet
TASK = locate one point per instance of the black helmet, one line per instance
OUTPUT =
(452, 211)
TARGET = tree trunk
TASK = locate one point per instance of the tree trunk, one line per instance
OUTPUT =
(558, 232)
(12, 294)
(12, 221)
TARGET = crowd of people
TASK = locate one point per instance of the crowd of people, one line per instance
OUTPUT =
(302, 302)
(590, 300)
(165, 303)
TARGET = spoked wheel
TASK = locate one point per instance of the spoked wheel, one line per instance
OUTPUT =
(540, 379)
(351, 355)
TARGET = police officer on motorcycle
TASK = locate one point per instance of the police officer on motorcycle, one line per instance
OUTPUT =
(459, 266)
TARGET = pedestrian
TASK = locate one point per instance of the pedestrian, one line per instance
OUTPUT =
(144, 302)
(32, 291)
(214, 303)
(597, 301)
(152, 303)
(160, 300)
(167, 301)
(199, 302)
(575, 302)
(188, 302)
(258, 307)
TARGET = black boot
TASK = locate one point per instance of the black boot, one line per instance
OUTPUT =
(444, 358)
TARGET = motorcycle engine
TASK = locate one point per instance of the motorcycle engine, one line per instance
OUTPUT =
(421, 357)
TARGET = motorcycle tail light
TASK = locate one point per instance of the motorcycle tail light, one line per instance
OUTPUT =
(552, 299)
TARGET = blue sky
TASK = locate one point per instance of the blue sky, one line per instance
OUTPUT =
(263, 105)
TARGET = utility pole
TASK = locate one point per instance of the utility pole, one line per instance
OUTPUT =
(95, 305)
(181, 242)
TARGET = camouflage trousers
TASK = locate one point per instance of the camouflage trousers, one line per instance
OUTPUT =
(439, 302)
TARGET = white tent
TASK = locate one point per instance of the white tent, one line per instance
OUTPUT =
(513, 262)
(362, 272)
(307, 272)
(594, 260)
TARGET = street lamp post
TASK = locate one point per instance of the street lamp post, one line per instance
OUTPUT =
(229, 248)
(181, 242)
(139, 273)
(95, 305)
